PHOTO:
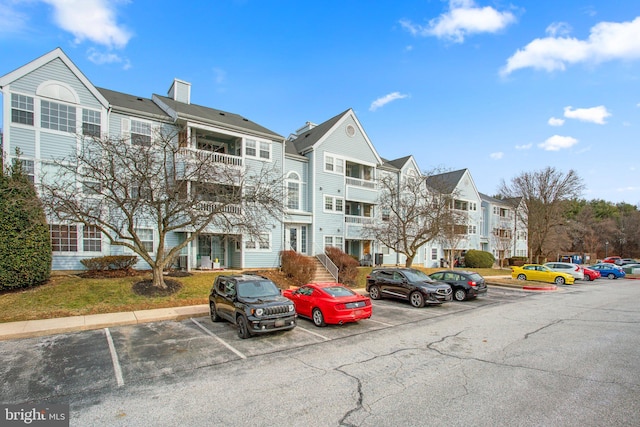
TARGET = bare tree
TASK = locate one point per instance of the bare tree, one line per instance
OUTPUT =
(454, 233)
(119, 186)
(543, 193)
(412, 214)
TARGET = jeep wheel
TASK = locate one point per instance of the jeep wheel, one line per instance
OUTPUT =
(416, 299)
(213, 312)
(460, 294)
(243, 327)
(374, 292)
(318, 318)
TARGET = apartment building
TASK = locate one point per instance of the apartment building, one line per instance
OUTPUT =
(330, 171)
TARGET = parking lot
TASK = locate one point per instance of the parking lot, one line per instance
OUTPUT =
(51, 367)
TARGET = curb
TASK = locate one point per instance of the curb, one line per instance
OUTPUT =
(37, 328)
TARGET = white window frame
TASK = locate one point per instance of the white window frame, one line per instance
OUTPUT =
(334, 164)
(23, 104)
(334, 204)
(89, 238)
(472, 229)
(69, 240)
(91, 118)
(258, 149)
(334, 241)
(434, 254)
(262, 245)
(294, 178)
(143, 129)
(56, 122)
(140, 232)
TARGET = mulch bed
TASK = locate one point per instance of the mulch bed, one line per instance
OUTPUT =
(145, 288)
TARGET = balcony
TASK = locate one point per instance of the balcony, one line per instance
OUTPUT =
(218, 207)
(210, 156)
(357, 220)
(357, 182)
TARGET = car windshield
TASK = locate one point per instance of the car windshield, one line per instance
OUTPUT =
(417, 276)
(257, 289)
(338, 291)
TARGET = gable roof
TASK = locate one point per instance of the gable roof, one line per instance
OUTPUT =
(446, 182)
(57, 53)
(131, 103)
(399, 163)
(309, 138)
(180, 110)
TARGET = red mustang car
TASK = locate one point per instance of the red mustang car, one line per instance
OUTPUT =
(329, 303)
(589, 274)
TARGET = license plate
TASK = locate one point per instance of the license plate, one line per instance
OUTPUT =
(279, 322)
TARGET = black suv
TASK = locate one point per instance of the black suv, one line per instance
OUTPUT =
(465, 284)
(252, 302)
(407, 283)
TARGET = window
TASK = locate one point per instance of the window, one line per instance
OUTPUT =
(140, 133)
(250, 148)
(333, 241)
(146, 237)
(265, 150)
(259, 243)
(385, 213)
(333, 204)
(460, 205)
(434, 253)
(333, 164)
(28, 169)
(21, 109)
(472, 229)
(64, 238)
(293, 191)
(91, 188)
(473, 206)
(385, 250)
(91, 123)
(56, 116)
(91, 239)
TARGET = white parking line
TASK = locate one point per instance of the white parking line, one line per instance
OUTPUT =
(242, 356)
(114, 359)
(382, 323)
(313, 333)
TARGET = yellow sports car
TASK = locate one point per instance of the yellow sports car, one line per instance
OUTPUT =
(541, 273)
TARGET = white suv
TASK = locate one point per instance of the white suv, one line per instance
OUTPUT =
(567, 267)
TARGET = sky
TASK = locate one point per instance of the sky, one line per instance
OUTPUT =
(498, 87)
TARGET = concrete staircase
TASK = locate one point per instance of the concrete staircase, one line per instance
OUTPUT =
(321, 275)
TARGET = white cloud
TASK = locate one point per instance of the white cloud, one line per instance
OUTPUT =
(557, 143)
(462, 19)
(524, 146)
(607, 41)
(11, 20)
(381, 102)
(593, 115)
(554, 121)
(558, 29)
(496, 156)
(107, 58)
(92, 20)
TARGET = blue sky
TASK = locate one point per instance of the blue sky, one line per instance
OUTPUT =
(499, 87)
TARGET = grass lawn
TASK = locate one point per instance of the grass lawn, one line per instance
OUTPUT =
(70, 295)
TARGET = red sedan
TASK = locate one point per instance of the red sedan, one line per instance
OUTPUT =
(589, 274)
(332, 303)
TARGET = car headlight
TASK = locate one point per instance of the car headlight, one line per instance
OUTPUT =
(291, 307)
(259, 312)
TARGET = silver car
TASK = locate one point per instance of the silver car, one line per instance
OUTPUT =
(567, 267)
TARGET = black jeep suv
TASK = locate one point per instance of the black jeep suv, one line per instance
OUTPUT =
(409, 284)
(252, 302)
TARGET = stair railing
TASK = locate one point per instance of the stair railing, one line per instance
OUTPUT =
(327, 263)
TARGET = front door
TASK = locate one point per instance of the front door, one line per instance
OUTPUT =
(296, 238)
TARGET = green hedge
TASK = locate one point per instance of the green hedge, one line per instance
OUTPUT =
(478, 259)
(110, 262)
(25, 246)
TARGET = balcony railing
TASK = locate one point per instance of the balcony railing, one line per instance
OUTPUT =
(358, 220)
(210, 156)
(214, 206)
(360, 182)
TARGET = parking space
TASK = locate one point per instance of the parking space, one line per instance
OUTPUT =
(42, 367)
